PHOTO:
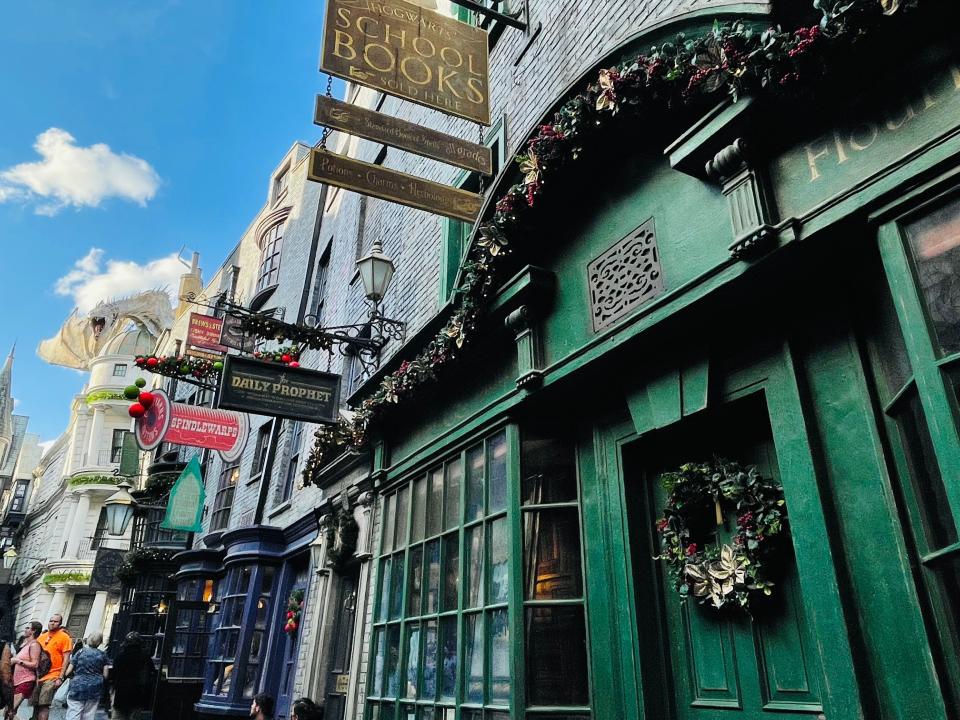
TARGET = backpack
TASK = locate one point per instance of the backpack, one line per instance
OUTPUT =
(44, 663)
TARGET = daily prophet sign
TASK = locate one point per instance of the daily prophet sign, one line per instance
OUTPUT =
(272, 389)
(369, 179)
(410, 52)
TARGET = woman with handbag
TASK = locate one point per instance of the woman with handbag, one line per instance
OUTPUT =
(86, 671)
(25, 667)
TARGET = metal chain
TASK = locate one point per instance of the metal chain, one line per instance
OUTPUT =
(326, 130)
(480, 142)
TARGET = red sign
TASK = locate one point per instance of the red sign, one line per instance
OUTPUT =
(181, 424)
(204, 332)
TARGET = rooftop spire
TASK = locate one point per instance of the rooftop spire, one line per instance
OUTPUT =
(6, 398)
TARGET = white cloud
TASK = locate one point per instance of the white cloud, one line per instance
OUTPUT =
(68, 174)
(91, 280)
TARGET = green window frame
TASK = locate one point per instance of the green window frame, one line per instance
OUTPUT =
(456, 233)
(916, 356)
(450, 603)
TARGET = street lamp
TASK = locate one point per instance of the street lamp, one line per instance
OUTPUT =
(9, 557)
(376, 272)
(119, 509)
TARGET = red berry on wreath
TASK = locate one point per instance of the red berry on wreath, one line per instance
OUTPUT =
(294, 364)
(286, 358)
(152, 362)
(136, 410)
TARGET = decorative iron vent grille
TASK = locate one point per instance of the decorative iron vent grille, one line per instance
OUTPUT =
(625, 276)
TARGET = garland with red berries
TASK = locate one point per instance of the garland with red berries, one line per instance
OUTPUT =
(713, 572)
(733, 59)
(294, 610)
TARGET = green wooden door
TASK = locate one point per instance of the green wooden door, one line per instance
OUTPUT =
(728, 665)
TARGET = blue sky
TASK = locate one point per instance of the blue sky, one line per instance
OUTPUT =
(130, 130)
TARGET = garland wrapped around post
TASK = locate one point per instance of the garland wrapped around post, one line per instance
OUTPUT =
(733, 59)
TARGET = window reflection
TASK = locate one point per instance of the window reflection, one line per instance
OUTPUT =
(935, 241)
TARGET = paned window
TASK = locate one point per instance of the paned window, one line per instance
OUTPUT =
(290, 476)
(239, 641)
(100, 530)
(120, 370)
(320, 284)
(116, 445)
(260, 451)
(916, 356)
(223, 501)
(271, 245)
(455, 596)
(280, 183)
(19, 502)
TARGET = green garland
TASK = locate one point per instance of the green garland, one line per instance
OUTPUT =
(291, 621)
(700, 497)
(101, 395)
(188, 366)
(93, 480)
(64, 577)
(733, 59)
(135, 561)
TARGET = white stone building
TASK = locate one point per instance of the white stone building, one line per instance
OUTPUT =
(64, 525)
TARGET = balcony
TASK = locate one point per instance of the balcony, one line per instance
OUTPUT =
(102, 461)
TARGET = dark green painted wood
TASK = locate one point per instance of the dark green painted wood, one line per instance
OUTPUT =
(898, 664)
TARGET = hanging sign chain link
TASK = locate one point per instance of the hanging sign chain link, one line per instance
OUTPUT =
(326, 130)
(480, 142)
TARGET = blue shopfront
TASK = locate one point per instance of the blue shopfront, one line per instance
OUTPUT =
(232, 639)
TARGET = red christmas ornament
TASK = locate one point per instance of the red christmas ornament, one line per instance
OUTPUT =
(294, 364)
(286, 358)
(152, 362)
(140, 360)
(136, 410)
(146, 399)
(289, 614)
(256, 354)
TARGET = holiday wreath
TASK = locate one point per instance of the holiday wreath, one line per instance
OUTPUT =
(294, 609)
(700, 495)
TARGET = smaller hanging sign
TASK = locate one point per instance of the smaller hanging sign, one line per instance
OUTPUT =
(393, 185)
(185, 506)
(232, 335)
(182, 424)
(204, 332)
(104, 573)
(263, 388)
(381, 128)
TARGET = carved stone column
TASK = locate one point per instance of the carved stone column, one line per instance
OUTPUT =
(745, 189)
(529, 350)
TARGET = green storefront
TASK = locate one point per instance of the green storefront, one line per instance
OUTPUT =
(773, 282)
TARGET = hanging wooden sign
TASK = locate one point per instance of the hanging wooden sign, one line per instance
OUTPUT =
(185, 504)
(272, 389)
(410, 52)
(386, 129)
(393, 185)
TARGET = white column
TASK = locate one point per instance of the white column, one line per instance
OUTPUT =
(312, 675)
(93, 438)
(95, 621)
(79, 523)
(365, 511)
(57, 603)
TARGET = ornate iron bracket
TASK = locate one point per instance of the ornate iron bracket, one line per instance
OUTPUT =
(482, 9)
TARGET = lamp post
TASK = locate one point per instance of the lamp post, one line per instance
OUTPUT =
(119, 509)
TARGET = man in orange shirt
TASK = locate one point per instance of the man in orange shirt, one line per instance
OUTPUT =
(57, 642)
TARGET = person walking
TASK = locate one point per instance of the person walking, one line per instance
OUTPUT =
(306, 709)
(24, 665)
(86, 672)
(262, 707)
(129, 676)
(57, 643)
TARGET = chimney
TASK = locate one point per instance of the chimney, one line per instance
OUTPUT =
(190, 287)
